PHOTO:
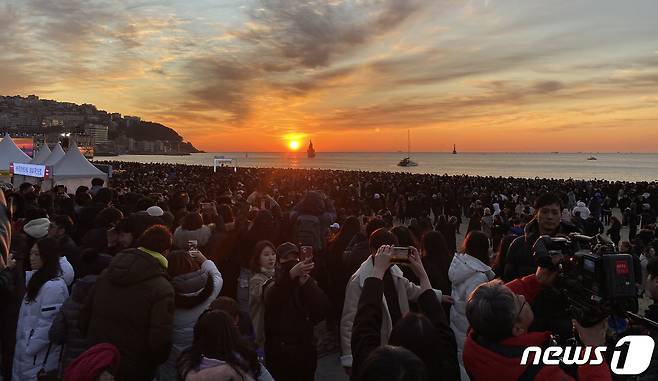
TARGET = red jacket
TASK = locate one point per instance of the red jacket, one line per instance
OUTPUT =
(484, 365)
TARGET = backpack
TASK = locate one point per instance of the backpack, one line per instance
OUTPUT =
(308, 232)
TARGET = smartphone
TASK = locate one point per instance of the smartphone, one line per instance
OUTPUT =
(400, 254)
(305, 252)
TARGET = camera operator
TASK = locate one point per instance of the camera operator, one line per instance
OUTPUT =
(547, 221)
(500, 316)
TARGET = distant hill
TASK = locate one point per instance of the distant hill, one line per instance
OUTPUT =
(147, 131)
(33, 115)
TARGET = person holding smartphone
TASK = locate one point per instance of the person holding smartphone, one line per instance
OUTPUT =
(398, 291)
(197, 283)
(294, 304)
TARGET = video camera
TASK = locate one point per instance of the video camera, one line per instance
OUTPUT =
(593, 277)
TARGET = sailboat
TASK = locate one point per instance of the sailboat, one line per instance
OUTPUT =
(310, 152)
(454, 149)
(407, 162)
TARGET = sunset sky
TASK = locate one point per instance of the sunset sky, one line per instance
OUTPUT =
(353, 75)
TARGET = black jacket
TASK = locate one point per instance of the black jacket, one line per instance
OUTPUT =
(519, 257)
(64, 329)
(652, 372)
(366, 334)
(132, 307)
(357, 251)
(71, 251)
(291, 312)
(12, 286)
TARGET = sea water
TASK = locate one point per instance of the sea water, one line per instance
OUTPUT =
(608, 166)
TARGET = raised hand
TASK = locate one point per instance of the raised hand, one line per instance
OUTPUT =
(382, 260)
(302, 269)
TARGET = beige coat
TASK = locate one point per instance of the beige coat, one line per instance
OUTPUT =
(257, 305)
(405, 289)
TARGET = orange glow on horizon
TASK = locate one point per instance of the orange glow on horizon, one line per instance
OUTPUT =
(294, 145)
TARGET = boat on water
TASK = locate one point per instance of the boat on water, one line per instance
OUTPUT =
(592, 158)
(407, 162)
(311, 151)
(454, 149)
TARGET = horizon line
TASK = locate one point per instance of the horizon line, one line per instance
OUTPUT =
(450, 153)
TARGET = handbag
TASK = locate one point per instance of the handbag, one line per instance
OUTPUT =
(51, 375)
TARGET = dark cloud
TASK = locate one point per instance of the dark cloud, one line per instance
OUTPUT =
(547, 86)
(314, 33)
(319, 80)
(289, 47)
(219, 83)
(71, 23)
(449, 108)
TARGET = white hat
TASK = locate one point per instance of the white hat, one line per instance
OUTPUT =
(37, 228)
(155, 211)
(335, 225)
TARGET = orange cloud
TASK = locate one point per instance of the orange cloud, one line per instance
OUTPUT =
(351, 75)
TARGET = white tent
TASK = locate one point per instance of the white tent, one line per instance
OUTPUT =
(9, 152)
(42, 154)
(74, 170)
(39, 157)
(55, 156)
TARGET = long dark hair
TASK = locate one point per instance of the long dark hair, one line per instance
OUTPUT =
(476, 245)
(254, 263)
(216, 336)
(435, 247)
(49, 253)
(351, 226)
(416, 333)
(405, 236)
(501, 254)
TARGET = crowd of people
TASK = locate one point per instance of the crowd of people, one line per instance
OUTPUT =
(174, 272)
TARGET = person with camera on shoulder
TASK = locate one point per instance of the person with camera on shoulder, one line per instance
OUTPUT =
(546, 221)
(500, 316)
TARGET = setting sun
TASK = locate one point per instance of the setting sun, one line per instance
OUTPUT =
(294, 145)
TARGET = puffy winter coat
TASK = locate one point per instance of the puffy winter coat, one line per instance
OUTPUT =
(132, 307)
(65, 327)
(406, 292)
(71, 251)
(194, 294)
(67, 271)
(465, 273)
(34, 321)
(212, 370)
